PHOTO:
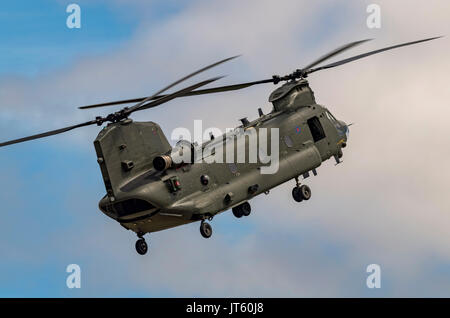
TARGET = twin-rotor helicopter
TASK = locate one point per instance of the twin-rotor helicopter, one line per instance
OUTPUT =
(147, 190)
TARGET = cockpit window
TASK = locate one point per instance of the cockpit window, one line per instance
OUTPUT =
(316, 128)
(333, 119)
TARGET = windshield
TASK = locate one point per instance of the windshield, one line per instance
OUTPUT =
(335, 122)
(341, 127)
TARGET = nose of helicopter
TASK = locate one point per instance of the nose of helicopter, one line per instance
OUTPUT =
(343, 129)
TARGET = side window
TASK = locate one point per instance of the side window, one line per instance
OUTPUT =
(288, 141)
(316, 128)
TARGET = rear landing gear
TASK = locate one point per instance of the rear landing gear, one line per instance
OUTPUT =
(205, 229)
(301, 192)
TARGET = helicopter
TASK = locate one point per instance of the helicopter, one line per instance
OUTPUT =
(152, 186)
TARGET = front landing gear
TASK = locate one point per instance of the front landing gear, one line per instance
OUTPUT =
(141, 244)
(301, 192)
(205, 229)
(241, 210)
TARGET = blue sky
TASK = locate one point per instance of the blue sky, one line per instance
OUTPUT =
(36, 41)
(35, 38)
(50, 188)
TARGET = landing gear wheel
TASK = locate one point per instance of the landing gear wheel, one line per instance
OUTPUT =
(246, 208)
(297, 195)
(141, 246)
(205, 229)
(237, 212)
(241, 210)
(305, 191)
(300, 193)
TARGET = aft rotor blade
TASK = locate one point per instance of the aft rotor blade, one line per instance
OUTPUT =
(47, 134)
(334, 53)
(128, 111)
(360, 56)
(143, 100)
(169, 97)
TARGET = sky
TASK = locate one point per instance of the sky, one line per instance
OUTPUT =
(386, 204)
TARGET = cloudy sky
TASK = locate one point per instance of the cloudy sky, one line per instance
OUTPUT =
(388, 203)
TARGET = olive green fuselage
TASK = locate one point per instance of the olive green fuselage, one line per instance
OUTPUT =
(144, 199)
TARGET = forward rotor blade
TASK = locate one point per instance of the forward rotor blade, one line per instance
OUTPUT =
(191, 93)
(307, 70)
(119, 102)
(228, 87)
(335, 52)
(169, 97)
(48, 133)
(222, 88)
(360, 56)
(143, 100)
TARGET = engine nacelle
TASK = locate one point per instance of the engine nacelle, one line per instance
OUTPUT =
(162, 163)
(182, 153)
